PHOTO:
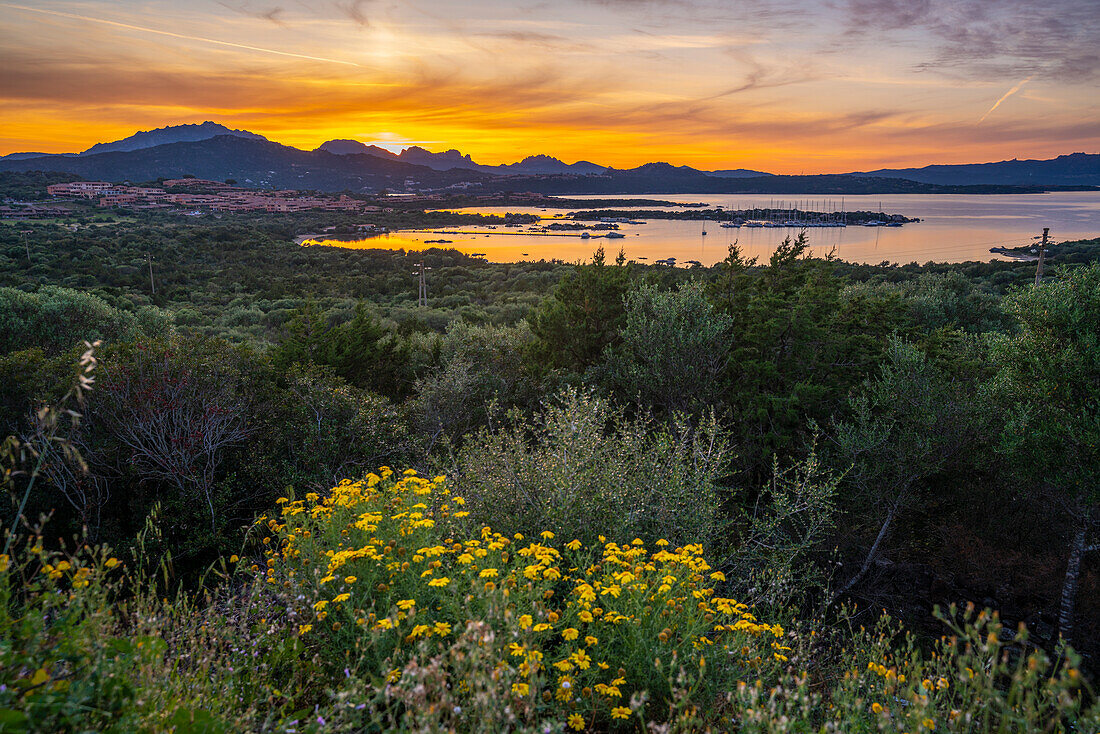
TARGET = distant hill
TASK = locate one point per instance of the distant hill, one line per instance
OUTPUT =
(548, 164)
(170, 134)
(351, 165)
(21, 156)
(1075, 169)
(738, 173)
(255, 163)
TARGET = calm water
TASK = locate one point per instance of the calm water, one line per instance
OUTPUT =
(954, 228)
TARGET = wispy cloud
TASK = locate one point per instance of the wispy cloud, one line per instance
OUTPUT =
(182, 36)
(1015, 88)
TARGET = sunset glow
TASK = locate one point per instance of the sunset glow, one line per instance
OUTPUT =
(786, 87)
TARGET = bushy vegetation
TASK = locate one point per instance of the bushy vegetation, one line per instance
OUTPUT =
(745, 490)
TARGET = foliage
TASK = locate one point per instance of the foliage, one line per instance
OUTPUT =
(479, 369)
(1048, 383)
(569, 630)
(908, 424)
(582, 317)
(382, 606)
(580, 467)
(57, 319)
(672, 351)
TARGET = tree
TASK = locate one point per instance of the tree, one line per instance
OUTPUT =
(175, 416)
(583, 316)
(1049, 386)
(672, 349)
(906, 426)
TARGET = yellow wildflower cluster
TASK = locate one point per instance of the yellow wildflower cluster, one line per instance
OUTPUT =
(393, 555)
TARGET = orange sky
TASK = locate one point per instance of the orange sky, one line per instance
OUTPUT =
(787, 87)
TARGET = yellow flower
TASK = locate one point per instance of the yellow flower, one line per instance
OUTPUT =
(576, 722)
(488, 573)
(303, 628)
(4, 561)
(876, 707)
(111, 563)
(590, 640)
(541, 627)
(620, 712)
(341, 598)
(525, 621)
(443, 581)
(574, 545)
(520, 689)
(547, 535)
(929, 724)
(570, 633)
(350, 579)
(442, 628)
(406, 604)
(718, 576)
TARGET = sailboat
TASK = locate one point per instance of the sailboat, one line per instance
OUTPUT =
(704, 227)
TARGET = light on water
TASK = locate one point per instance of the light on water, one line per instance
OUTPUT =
(953, 228)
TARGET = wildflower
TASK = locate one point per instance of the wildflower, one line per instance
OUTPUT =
(442, 628)
(573, 545)
(341, 598)
(520, 689)
(350, 579)
(4, 561)
(586, 616)
(570, 634)
(590, 640)
(304, 628)
(487, 573)
(576, 722)
(541, 627)
(876, 707)
(620, 712)
(442, 581)
(929, 724)
(406, 604)
(547, 535)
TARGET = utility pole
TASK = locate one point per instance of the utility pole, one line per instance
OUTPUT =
(26, 232)
(422, 295)
(1042, 254)
(152, 283)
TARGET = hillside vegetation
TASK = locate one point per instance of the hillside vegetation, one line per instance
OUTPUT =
(792, 496)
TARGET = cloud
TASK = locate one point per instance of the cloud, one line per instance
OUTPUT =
(182, 36)
(354, 10)
(1054, 39)
(1016, 88)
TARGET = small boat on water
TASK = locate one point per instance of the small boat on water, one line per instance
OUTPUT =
(585, 235)
(616, 235)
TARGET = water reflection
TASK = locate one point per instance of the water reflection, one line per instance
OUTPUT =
(954, 228)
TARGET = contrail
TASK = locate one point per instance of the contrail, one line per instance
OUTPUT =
(177, 35)
(1007, 94)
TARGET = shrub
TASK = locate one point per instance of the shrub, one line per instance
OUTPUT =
(388, 578)
(580, 467)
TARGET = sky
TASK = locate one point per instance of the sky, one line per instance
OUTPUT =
(804, 86)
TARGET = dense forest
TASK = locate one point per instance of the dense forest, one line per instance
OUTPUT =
(254, 486)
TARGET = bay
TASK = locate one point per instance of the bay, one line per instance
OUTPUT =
(953, 228)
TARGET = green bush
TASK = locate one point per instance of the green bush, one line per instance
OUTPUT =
(581, 468)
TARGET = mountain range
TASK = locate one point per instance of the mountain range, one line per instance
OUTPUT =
(213, 151)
